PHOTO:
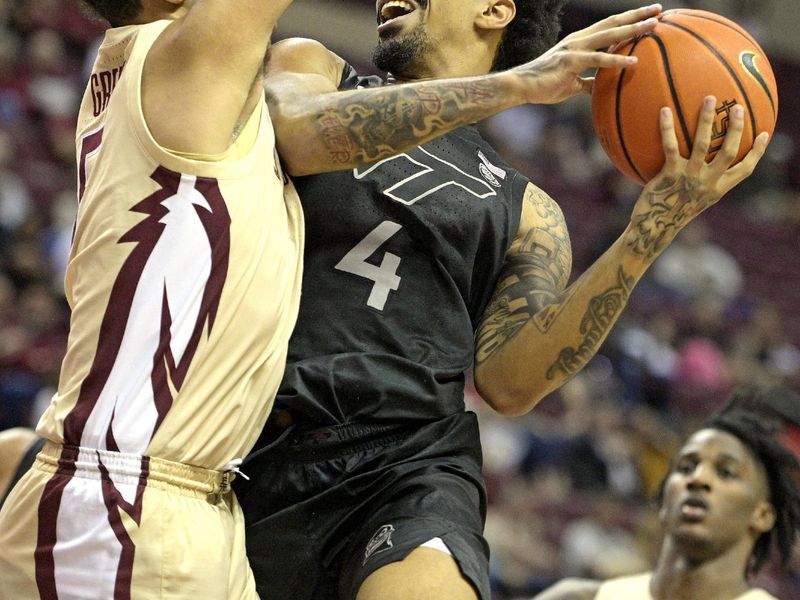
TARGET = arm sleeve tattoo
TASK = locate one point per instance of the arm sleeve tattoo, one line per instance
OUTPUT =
(533, 279)
(597, 321)
(363, 126)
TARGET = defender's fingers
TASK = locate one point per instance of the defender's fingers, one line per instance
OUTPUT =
(619, 20)
(733, 139)
(702, 137)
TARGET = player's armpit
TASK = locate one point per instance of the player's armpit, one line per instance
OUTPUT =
(532, 282)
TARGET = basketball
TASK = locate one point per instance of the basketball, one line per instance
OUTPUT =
(690, 54)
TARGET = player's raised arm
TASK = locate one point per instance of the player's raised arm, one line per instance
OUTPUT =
(319, 129)
(201, 75)
(535, 335)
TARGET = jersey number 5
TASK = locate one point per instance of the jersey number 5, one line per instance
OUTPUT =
(90, 144)
(385, 276)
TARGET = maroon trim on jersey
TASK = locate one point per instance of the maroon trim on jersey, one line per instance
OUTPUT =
(89, 144)
(112, 329)
(146, 234)
(217, 225)
(111, 442)
(47, 534)
(114, 503)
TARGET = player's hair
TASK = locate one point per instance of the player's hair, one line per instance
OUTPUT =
(116, 12)
(534, 29)
(749, 416)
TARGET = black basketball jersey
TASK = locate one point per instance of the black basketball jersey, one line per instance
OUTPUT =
(401, 258)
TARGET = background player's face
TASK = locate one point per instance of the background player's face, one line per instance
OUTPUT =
(716, 496)
(415, 35)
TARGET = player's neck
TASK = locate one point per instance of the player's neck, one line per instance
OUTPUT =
(446, 65)
(677, 577)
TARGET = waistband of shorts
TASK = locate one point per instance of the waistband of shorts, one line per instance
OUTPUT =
(341, 440)
(134, 468)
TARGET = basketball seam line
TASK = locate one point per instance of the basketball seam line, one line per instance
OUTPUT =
(618, 115)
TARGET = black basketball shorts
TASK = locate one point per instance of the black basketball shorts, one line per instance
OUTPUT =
(325, 508)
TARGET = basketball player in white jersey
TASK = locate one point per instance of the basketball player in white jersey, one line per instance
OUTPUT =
(183, 282)
(729, 501)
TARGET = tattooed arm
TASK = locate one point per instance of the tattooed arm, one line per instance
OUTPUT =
(535, 334)
(319, 129)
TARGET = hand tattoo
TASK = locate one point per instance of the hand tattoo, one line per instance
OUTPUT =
(671, 204)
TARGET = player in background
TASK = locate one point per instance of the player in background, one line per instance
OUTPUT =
(730, 499)
(183, 280)
(367, 482)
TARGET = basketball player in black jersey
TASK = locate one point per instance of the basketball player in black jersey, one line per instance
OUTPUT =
(424, 261)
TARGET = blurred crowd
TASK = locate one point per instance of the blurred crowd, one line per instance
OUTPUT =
(571, 484)
(43, 48)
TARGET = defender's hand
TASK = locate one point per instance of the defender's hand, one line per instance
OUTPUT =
(686, 187)
(556, 75)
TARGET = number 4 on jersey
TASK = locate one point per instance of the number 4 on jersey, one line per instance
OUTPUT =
(385, 276)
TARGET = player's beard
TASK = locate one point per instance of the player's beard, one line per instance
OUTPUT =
(401, 55)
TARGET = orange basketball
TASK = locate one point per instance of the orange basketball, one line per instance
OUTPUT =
(691, 54)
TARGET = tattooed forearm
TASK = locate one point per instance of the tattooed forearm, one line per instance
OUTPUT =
(533, 279)
(601, 315)
(668, 208)
(364, 126)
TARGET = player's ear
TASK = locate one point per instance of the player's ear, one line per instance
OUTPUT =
(496, 14)
(764, 516)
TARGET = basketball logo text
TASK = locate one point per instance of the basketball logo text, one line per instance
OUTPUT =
(720, 128)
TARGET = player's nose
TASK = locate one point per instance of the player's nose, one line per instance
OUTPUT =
(700, 477)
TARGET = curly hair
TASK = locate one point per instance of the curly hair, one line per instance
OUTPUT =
(116, 12)
(534, 29)
(750, 417)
